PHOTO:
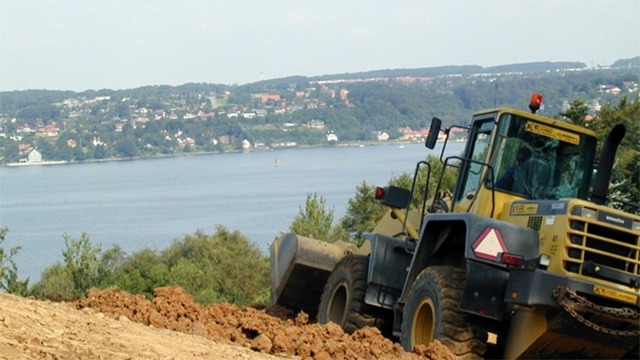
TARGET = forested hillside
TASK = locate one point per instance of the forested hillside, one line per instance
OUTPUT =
(296, 111)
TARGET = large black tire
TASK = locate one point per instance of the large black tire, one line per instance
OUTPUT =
(342, 300)
(432, 312)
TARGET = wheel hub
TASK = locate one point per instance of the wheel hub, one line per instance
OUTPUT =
(423, 331)
(337, 308)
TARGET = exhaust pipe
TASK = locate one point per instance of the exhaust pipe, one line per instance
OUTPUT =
(605, 166)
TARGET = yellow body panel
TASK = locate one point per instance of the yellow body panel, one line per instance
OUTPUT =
(569, 247)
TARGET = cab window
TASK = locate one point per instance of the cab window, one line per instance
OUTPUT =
(477, 151)
(538, 161)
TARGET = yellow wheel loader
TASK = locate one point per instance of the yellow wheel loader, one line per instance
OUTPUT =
(526, 260)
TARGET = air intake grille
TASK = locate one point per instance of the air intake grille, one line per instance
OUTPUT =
(534, 222)
(592, 246)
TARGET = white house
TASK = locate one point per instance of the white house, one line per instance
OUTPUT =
(332, 137)
(383, 136)
(34, 156)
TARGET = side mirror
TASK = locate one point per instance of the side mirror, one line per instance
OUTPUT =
(434, 131)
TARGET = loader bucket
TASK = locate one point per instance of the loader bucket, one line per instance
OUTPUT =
(300, 267)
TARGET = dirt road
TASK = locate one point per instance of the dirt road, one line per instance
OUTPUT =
(111, 324)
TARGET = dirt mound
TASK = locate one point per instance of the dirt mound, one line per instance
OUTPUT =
(259, 330)
(32, 329)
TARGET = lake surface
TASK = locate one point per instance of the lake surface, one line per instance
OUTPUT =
(149, 203)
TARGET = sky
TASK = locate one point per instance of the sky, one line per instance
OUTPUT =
(120, 44)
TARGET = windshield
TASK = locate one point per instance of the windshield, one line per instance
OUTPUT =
(539, 161)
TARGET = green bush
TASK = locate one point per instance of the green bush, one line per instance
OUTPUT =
(314, 220)
(9, 270)
(363, 212)
(80, 271)
(56, 284)
(141, 273)
(223, 267)
(82, 262)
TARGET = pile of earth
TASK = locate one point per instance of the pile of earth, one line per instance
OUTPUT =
(112, 324)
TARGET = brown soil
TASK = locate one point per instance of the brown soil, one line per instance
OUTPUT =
(112, 324)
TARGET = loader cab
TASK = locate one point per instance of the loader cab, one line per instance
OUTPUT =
(511, 154)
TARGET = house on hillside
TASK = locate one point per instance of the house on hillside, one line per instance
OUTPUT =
(34, 157)
(24, 148)
(332, 137)
(382, 136)
(266, 97)
(409, 134)
(49, 130)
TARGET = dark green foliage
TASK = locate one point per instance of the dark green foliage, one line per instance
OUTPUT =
(55, 284)
(141, 273)
(625, 179)
(44, 113)
(223, 267)
(423, 188)
(632, 62)
(8, 270)
(541, 66)
(576, 113)
(363, 211)
(314, 220)
(14, 101)
(127, 148)
(82, 263)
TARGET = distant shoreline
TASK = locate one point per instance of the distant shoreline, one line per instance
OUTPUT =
(43, 163)
(74, 162)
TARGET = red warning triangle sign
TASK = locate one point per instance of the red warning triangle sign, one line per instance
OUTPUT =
(489, 244)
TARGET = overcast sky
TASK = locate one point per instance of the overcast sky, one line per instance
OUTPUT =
(120, 44)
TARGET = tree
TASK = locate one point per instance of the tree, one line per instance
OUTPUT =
(81, 262)
(122, 110)
(424, 185)
(65, 152)
(11, 153)
(576, 113)
(110, 261)
(127, 148)
(47, 149)
(141, 273)
(80, 271)
(79, 154)
(9, 270)
(222, 267)
(55, 284)
(363, 211)
(42, 111)
(100, 152)
(315, 221)
(625, 179)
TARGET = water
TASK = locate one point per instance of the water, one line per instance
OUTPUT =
(149, 203)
